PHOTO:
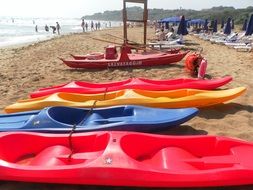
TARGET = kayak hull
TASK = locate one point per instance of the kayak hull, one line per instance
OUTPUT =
(134, 83)
(119, 118)
(109, 158)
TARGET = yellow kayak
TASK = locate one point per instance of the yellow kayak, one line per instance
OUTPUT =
(181, 98)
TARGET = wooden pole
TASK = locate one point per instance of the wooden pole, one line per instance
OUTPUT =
(144, 18)
(125, 21)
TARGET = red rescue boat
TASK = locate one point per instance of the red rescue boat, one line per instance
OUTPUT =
(126, 59)
(126, 159)
(133, 83)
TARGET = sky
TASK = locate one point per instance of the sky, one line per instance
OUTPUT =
(79, 8)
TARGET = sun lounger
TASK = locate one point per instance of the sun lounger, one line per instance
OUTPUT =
(166, 44)
(248, 47)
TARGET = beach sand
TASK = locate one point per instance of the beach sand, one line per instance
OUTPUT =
(28, 68)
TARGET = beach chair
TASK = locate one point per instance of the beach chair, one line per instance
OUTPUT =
(230, 38)
(165, 45)
(247, 48)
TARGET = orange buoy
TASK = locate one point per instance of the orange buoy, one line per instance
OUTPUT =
(192, 63)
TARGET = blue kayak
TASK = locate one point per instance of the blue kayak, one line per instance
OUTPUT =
(125, 118)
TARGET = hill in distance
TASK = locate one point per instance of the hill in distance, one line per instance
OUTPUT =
(239, 15)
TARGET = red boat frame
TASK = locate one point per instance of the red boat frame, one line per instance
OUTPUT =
(128, 60)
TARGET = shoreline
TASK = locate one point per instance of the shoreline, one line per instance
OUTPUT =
(25, 44)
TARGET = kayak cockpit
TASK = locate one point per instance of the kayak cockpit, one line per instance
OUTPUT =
(49, 152)
(179, 155)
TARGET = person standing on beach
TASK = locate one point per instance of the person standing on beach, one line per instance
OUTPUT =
(83, 25)
(92, 26)
(36, 28)
(86, 26)
(99, 25)
(46, 28)
(58, 27)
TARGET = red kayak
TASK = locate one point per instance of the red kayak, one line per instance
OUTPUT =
(126, 159)
(126, 59)
(134, 83)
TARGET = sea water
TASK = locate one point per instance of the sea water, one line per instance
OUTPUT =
(15, 31)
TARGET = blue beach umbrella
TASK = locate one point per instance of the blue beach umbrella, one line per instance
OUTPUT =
(205, 25)
(244, 27)
(232, 24)
(227, 29)
(249, 30)
(215, 25)
(182, 28)
(222, 23)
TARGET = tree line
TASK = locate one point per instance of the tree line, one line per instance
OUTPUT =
(239, 15)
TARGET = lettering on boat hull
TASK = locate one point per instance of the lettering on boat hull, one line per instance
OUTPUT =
(123, 64)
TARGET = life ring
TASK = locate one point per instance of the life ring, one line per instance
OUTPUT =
(95, 56)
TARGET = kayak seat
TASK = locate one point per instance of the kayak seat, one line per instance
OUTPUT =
(92, 119)
(83, 155)
(171, 158)
(48, 156)
(175, 158)
(240, 153)
(67, 115)
(128, 111)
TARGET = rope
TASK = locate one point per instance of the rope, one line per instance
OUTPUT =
(106, 89)
(74, 128)
(70, 142)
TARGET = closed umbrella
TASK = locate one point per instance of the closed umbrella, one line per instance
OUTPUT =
(182, 28)
(222, 23)
(244, 27)
(215, 25)
(233, 24)
(205, 25)
(227, 29)
(249, 30)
